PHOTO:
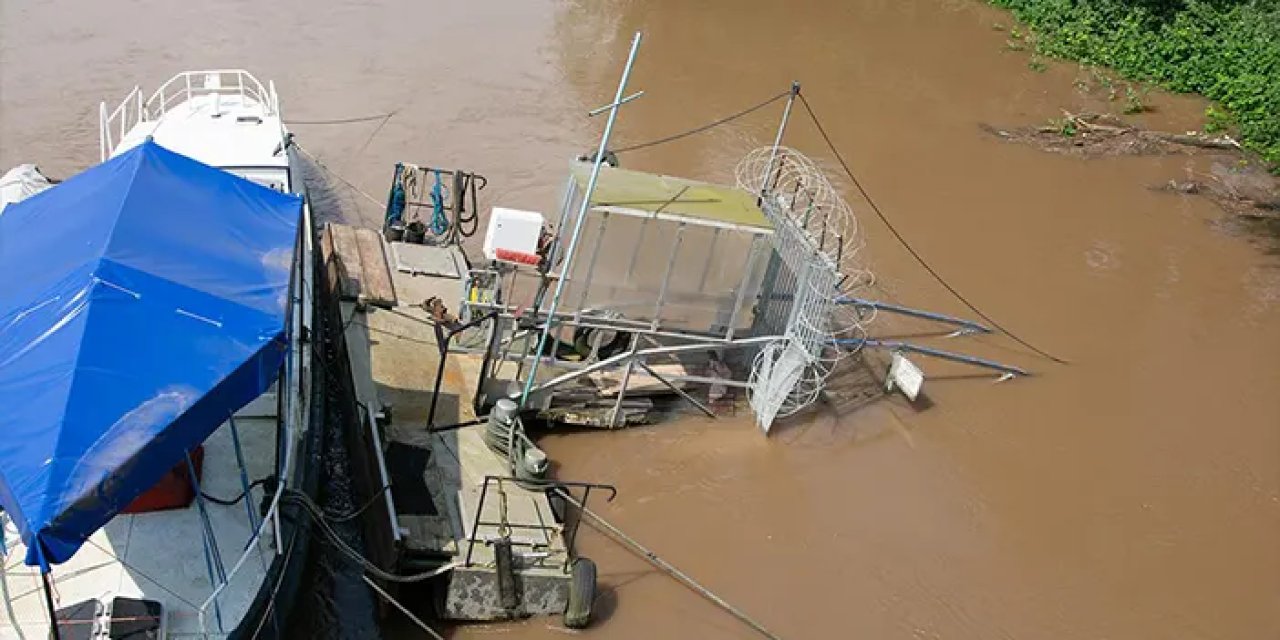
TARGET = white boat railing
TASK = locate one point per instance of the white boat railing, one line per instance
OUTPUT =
(129, 113)
(294, 421)
(183, 87)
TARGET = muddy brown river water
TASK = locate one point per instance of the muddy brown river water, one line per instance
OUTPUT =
(1134, 493)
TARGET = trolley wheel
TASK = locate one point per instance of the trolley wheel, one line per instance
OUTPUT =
(611, 342)
(582, 594)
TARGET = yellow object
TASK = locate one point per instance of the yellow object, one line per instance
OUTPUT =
(637, 193)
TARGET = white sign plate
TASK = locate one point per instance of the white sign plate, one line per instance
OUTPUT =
(905, 375)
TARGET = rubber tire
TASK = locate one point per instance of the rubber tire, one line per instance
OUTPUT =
(582, 343)
(582, 594)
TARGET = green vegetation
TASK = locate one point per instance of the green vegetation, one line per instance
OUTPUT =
(1226, 50)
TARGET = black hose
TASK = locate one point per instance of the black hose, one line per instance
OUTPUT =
(359, 512)
(236, 500)
(468, 222)
(334, 538)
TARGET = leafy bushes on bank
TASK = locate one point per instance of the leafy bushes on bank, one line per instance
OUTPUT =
(1226, 50)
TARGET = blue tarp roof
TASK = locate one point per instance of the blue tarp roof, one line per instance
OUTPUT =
(142, 302)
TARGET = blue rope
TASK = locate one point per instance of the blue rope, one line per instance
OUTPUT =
(439, 222)
(396, 199)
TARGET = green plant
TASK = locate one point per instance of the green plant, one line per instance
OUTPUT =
(1216, 120)
(1228, 51)
(1135, 99)
(1066, 127)
(1037, 65)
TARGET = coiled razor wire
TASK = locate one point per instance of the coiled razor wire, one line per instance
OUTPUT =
(816, 244)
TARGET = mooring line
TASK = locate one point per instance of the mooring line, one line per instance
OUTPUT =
(380, 116)
(324, 167)
(403, 609)
(906, 245)
(710, 125)
(669, 568)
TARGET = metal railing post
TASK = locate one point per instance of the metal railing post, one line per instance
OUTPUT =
(777, 140)
(104, 131)
(582, 215)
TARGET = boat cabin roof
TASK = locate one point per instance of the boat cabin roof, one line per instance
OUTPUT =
(225, 130)
(638, 193)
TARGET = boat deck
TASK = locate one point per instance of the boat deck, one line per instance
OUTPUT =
(220, 130)
(156, 556)
(394, 358)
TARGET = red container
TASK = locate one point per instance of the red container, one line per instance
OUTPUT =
(174, 490)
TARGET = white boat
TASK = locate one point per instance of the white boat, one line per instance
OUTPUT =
(20, 183)
(154, 574)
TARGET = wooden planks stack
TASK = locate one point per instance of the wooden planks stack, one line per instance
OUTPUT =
(361, 262)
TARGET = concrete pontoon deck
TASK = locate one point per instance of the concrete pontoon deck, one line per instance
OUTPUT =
(438, 479)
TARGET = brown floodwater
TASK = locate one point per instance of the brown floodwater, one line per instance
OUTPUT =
(1134, 493)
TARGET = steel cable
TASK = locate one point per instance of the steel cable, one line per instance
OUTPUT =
(710, 125)
(906, 245)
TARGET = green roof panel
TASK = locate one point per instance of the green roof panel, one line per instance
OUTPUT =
(648, 192)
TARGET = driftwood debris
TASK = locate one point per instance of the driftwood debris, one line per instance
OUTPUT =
(1106, 134)
(1239, 185)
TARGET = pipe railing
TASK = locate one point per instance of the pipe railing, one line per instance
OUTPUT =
(294, 417)
(115, 125)
(107, 122)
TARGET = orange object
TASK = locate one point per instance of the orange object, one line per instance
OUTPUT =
(173, 491)
(517, 256)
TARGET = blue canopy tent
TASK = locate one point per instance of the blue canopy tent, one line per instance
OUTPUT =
(142, 302)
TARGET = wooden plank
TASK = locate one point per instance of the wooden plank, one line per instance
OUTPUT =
(609, 381)
(332, 266)
(348, 252)
(376, 275)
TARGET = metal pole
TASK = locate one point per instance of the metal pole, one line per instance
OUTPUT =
(916, 313)
(582, 215)
(681, 392)
(777, 140)
(896, 345)
(626, 379)
(48, 602)
(666, 276)
(669, 568)
(635, 251)
(711, 252)
(591, 266)
(742, 287)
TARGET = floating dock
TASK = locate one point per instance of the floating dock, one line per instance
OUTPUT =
(451, 501)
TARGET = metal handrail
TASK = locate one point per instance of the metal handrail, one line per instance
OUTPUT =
(560, 485)
(106, 142)
(294, 418)
(254, 89)
(241, 83)
(267, 520)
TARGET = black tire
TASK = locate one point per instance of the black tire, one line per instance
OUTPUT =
(582, 337)
(582, 594)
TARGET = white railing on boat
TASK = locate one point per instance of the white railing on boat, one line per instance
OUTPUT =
(133, 110)
(295, 422)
